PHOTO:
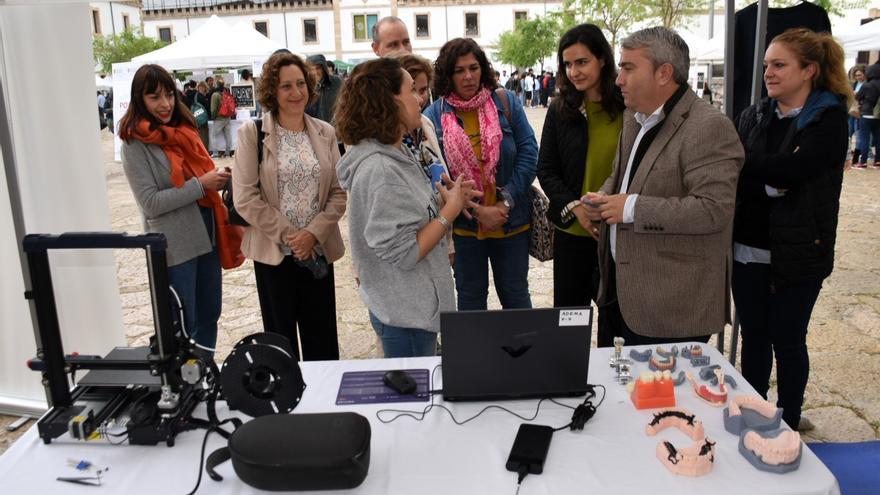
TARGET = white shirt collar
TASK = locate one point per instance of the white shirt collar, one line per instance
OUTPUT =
(655, 117)
(794, 112)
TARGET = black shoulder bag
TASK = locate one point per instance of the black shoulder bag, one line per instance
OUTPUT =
(234, 217)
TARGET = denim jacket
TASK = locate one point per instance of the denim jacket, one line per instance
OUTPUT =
(518, 162)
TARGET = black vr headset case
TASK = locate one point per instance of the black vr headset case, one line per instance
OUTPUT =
(290, 452)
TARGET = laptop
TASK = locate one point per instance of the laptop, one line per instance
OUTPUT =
(515, 353)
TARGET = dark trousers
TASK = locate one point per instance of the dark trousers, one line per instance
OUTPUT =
(774, 321)
(290, 297)
(611, 321)
(576, 275)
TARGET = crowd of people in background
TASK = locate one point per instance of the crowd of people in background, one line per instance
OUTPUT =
(660, 204)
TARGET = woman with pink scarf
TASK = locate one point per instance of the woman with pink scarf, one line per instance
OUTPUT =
(485, 137)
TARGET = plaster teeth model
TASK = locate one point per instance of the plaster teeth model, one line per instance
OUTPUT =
(664, 353)
(680, 418)
(695, 460)
(691, 351)
(641, 357)
(716, 398)
(751, 412)
(775, 451)
(658, 363)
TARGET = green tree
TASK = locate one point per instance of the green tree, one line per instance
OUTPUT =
(615, 17)
(530, 42)
(122, 47)
(674, 13)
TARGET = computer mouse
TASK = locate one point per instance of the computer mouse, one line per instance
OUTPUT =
(400, 382)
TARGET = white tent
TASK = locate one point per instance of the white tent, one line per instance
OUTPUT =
(105, 82)
(213, 45)
(863, 38)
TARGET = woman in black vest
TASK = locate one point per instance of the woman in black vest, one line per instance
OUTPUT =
(578, 145)
(787, 205)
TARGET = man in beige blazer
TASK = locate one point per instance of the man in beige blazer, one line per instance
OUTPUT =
(664, 217)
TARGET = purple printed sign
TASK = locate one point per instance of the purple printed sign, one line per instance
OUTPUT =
(367, 387)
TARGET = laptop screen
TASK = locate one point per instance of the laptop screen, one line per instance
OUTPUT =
(515, 353)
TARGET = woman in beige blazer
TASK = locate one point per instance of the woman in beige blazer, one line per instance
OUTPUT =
(293, 203)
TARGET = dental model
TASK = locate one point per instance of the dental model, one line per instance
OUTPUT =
(642, 357)
(708, 372)
(662, 363)
(752, 402)
(716, 398)
(695, 460)
(751, 412)
(680, 418)
(690, 352)
(652, 390)
(664, 353)
(777, 451)
(727, 379)
(679, 379)
(700, 361)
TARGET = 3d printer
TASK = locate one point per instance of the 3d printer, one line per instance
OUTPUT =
(149, 391)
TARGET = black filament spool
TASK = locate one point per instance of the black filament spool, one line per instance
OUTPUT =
(261, 379)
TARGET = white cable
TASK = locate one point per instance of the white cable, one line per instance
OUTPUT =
(183, 323)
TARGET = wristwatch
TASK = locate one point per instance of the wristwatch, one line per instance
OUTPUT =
(568, 210)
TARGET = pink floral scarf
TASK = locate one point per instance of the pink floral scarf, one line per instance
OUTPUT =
(460, 154)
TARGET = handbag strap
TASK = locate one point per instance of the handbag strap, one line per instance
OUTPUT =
(505, 103)
(260, 136)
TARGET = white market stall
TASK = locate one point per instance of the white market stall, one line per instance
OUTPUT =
(213, 45)
(861, 39)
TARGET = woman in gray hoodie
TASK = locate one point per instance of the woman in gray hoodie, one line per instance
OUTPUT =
(397, 230)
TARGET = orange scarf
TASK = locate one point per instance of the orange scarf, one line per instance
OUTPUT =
(189, 158)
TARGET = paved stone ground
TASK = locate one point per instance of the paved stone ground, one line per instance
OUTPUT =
(842, 399)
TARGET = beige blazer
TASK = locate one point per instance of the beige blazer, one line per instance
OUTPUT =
(257, 198)
(673, 263)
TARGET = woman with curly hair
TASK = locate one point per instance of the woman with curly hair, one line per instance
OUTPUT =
(397, 229)
(292, 201)
(486, 138)
(422, 141)
(578, 145)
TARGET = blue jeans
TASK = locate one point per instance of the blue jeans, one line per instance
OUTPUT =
(404, 342)
(853, 124)
(199, 283)
(869, 133)
(510, 270)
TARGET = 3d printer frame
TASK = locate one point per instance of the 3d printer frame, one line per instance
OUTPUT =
(84, 409)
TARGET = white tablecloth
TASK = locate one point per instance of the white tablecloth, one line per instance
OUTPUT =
(611, 455)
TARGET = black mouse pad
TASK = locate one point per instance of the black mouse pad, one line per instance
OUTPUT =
(367, 387)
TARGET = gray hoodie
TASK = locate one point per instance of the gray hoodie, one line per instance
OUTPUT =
(389, 200)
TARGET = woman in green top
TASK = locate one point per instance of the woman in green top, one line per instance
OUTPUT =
(578, 144)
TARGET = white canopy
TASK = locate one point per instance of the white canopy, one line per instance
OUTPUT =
(703, 49)
(863, 38)
(213, 45)
(105, 82)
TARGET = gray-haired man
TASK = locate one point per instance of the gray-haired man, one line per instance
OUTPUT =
(666, 212)
(390, 35)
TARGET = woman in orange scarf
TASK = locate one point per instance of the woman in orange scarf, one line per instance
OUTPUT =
(175, 184)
